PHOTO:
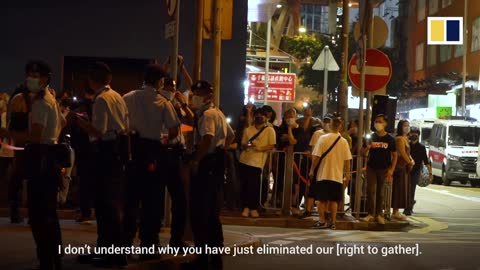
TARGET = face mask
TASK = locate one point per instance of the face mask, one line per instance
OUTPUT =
(379, 126)
(326, 126)
(197, 102)
(167, 94)
(259, 120)
(406, 130)
(291, 121)
(33, 85)
(413, 138)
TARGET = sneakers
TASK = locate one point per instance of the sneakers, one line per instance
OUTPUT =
(407, 212)
(380, 220)
(320, 225)
(399, 216)
(332, 227)
(246, 212)
(254, 214)
(368, 218)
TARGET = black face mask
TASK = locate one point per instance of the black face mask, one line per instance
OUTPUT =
(413, 138)
(259, 120)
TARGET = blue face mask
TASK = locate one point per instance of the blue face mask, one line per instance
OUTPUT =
(33, 84)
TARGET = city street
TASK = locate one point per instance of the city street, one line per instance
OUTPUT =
(445, 225)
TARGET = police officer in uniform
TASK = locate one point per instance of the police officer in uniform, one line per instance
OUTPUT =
(107, 134)
(44, 175)
(150, 113)
(212, 134)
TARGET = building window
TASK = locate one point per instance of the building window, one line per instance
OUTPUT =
(432, 6)
(458, 51)
(445, 53)
(476, 34)
(420, 10)
(431, 55)
(446, 3)
(419, 57)
(315, 18)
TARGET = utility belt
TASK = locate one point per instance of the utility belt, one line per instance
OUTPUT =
(118, 147)
(41, 159)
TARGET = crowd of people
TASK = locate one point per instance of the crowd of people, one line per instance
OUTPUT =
(127, 150)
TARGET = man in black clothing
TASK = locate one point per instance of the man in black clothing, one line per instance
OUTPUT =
(382, 159)
(419, 155)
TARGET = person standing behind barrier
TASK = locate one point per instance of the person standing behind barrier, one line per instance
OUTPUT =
(256, 141)
(43, 179)
(420, 157)
(333, 153)
(212, 135)
(150, 116)
(382, 159)
(401, 175)
(109, 123)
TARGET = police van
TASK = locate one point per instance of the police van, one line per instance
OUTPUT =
(454, 150)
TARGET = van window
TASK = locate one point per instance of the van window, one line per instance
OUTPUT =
(433, 135)
(426, 135)
(463, 136)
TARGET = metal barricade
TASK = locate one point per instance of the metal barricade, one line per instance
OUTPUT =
(273, 178)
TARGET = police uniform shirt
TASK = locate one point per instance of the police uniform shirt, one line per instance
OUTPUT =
(149, 113)
(46, 112)
(109, 115)
(212, 122)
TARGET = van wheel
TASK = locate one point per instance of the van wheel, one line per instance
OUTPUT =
(445, 180)
(475, 183)
(464, 182)
(437, 180)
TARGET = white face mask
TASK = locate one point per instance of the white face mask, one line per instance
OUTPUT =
(326, 127)
(379, 126)
(290, 121)
(33, 84)
(406, 130)
(197, 102)
(167, 94)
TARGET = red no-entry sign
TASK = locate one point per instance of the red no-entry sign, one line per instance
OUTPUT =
(378, 70)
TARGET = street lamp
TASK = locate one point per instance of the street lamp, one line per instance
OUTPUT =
(302, 29)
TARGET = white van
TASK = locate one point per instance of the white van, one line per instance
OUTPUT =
(454, 150)
(425, 128)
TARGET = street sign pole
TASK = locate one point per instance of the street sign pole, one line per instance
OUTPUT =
(174, 55)
(267, 57)
(325, 81)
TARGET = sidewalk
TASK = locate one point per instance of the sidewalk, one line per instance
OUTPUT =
(270, 219)
(18, 248)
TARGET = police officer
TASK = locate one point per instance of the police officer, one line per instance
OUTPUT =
(150, 114)
(43, 177)
(176, 151)
(106, 131)
(212, 134)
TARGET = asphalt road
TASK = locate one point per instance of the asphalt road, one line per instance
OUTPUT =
(445, 234)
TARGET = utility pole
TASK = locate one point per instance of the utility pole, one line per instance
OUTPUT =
(267, 57)
(342, 95)
(464, 64)
(217, 47)
(197, 65)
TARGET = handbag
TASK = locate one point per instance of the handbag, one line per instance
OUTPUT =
(424, 179)
(315, 171)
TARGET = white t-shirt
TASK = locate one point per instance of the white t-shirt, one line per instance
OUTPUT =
(332, 165)
(252, 157)
(316, 135)
(46, 112)
(213, 122)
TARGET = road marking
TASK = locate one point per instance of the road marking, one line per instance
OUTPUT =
(433, 225)
(446, 192)
(297, 238)
(280, 242)
(283, 235)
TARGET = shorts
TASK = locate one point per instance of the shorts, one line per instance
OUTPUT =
(326, 190)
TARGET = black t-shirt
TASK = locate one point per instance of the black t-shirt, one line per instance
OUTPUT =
(298, 134)
(419, 155)
(379, 156)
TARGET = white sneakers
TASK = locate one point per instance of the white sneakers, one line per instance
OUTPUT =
(380, 220)
(399, 216)
(247, 212)
(368, 218)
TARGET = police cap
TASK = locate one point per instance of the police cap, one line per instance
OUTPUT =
(38, 66)
(202, 86)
